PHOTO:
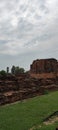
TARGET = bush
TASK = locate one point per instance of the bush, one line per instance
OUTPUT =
(3, 73)
(46, 92)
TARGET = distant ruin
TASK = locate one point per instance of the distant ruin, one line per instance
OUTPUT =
(44, 66)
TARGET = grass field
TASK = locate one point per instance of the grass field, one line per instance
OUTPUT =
(29, 113)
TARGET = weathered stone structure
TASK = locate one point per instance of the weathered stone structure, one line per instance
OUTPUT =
(19, 87)
(44, 66)
(14, 88)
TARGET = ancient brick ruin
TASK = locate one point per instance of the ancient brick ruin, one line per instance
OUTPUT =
(44, 66)
(19, 87)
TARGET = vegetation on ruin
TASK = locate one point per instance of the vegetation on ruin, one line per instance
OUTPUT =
(29, 114)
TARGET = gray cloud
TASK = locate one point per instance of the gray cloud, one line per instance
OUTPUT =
(28, 27)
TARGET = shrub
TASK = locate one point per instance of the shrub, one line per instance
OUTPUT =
(3, 73)
(46, 91)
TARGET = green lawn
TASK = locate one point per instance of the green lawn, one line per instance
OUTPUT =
(24, 115)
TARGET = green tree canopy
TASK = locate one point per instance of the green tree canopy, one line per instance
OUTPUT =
(17, 70)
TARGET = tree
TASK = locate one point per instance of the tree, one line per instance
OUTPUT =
(13, 69)
(19, 70)
(7, 69)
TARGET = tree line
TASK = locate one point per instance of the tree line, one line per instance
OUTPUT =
(15, 70)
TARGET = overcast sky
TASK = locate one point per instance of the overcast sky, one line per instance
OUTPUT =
(28, 31)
